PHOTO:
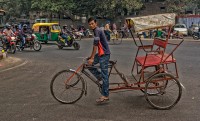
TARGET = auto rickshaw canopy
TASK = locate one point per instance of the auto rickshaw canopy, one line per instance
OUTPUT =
(54, 27)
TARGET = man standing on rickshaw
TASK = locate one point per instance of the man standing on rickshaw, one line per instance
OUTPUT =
(102, 57)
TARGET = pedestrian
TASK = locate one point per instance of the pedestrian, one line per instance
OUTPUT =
(114, 28)
(107, 31)
(102, 57)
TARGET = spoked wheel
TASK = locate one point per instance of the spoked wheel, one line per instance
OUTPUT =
(13, 48)
(166, 90)
(156, 91)
(59, 44)
(76, 46)
(37, 46)
(65, 91)
(19, 46)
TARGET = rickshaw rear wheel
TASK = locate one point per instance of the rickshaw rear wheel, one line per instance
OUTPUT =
(167, 91)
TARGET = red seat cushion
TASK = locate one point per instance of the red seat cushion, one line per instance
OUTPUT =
(151, 60)
(169, 59)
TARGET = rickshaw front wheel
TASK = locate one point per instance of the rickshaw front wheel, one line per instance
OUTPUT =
(167, 91)
(67, 91)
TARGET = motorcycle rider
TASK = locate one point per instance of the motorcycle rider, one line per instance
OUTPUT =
(8, 33)
(24, 33)
(18, 33)
(64, 34)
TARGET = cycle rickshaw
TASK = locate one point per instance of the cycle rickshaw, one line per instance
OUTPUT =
(150, 72)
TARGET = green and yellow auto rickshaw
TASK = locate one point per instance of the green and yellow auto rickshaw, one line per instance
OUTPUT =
(46, 31)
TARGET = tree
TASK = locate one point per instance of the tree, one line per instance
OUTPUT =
(52, 5)
(179, 6)
(14, 8)
(108, 8)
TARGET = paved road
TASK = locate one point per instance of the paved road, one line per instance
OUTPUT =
(25, 93)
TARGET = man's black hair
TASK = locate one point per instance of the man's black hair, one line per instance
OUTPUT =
(92, 19)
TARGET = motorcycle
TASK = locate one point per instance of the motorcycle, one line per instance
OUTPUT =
(71, 42)
(196, 35)
(30, 42)
(10, 44)
(87, 33)
(176, 35)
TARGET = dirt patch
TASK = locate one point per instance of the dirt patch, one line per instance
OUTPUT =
(10, 62)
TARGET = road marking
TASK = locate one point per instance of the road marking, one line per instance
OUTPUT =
(25, 62)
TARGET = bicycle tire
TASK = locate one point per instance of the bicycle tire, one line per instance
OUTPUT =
(165, 102)
(76, 82)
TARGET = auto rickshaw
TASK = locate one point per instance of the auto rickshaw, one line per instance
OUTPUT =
(46, 31)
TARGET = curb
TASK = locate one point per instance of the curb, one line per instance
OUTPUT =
(10, 62)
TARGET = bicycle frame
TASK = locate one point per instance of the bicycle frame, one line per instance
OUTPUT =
(82, 69)
(85, 67)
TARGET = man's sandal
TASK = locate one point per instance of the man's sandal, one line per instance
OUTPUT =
(102, 100)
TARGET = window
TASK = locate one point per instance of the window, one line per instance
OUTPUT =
(56, 27)
(162, 9)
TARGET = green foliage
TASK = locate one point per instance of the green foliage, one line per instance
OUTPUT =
(108, 8)
(52, 5)
(16, 7)
(180, 6)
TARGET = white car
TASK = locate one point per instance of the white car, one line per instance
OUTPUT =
(181, 28)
